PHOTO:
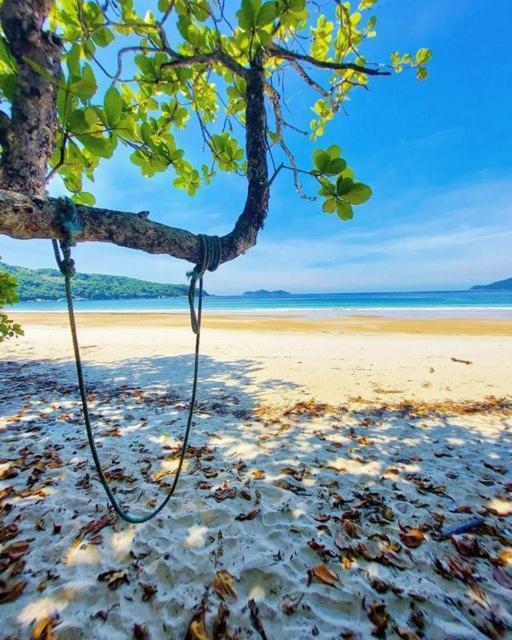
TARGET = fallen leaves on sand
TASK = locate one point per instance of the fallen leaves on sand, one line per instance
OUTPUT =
(114, 578)
(10, 594)
(95, 526)
(468, 545)
(324, 574)
(254, 511)
(380, 618)
(149, 590)
(223, 584)
(281, 483)
(140, 632)
(43, 629)
(255, 619)
(412, 538)
(291, 602)
(8, 532)
(220, 624)
(224, 492)
(196, 629)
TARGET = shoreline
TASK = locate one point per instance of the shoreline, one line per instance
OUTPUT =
(272, 322)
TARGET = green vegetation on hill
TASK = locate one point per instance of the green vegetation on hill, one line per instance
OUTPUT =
(48, 284)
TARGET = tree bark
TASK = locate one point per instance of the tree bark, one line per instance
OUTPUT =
(28, 141)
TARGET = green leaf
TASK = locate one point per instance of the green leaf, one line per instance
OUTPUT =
(98, 146)
(103, 37)
(343, 185)
(266, 14)
(423, 56)
(336, 166)
(344, 210)
(86, 86)
(329, 205)
(421, 73)
(322, 160)
(113, 106)
(358, 193)
(334, 151)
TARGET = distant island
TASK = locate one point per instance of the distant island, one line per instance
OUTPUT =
(505, 285)
(48, 284)
(264, 292)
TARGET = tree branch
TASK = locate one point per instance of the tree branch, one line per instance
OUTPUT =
(25, 216)
(280, 52)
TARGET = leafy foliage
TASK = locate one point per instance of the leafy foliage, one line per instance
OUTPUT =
(47, 284)
(182, 65)
(8, 295)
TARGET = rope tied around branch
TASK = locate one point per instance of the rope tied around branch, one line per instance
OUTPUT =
(210, 258)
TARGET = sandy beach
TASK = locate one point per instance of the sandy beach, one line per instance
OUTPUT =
(330, 462)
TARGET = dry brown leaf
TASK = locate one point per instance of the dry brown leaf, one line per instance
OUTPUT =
(8, 595)
(324, 574)
(197, 627)
(350, 528)
(412, 538)
(15, 550)
(43, 629)
(223, 584)
(140, 632)
(224, 492)
(291, 602)
(114, 578)
(258, 474)
(379, 617)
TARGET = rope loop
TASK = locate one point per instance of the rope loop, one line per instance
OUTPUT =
(209, 259)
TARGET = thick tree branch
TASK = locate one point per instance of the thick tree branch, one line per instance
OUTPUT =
(24, 216)
(280, 52)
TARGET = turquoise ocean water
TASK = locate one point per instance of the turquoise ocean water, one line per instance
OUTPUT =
(493, 304)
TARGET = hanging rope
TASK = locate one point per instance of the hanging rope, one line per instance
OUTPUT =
(210, 258)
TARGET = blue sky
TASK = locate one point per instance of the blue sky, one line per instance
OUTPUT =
(436, 153)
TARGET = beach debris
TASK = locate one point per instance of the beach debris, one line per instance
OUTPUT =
(412, 538)
(322, 573)
(223, 584)
(467, 545)
(196, 629)
(255, 619)
(12, 593)
(149, 590)
(43, 629)
(350, 528)
(463, 528)
(291, 602)
(140, 632)
(281, 483)
(114, 578)
(254, 511)
(321, 549)
(8, 532)
(220, 625)
(224, 492)
(462, 361)
(379, 617)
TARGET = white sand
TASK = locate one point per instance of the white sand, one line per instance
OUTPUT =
(315, 476)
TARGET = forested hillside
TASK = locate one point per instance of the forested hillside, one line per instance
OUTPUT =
(48, 284)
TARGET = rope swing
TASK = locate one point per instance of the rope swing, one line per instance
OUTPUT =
(210, 258)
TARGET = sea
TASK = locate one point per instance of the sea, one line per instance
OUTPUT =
(424, 304)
